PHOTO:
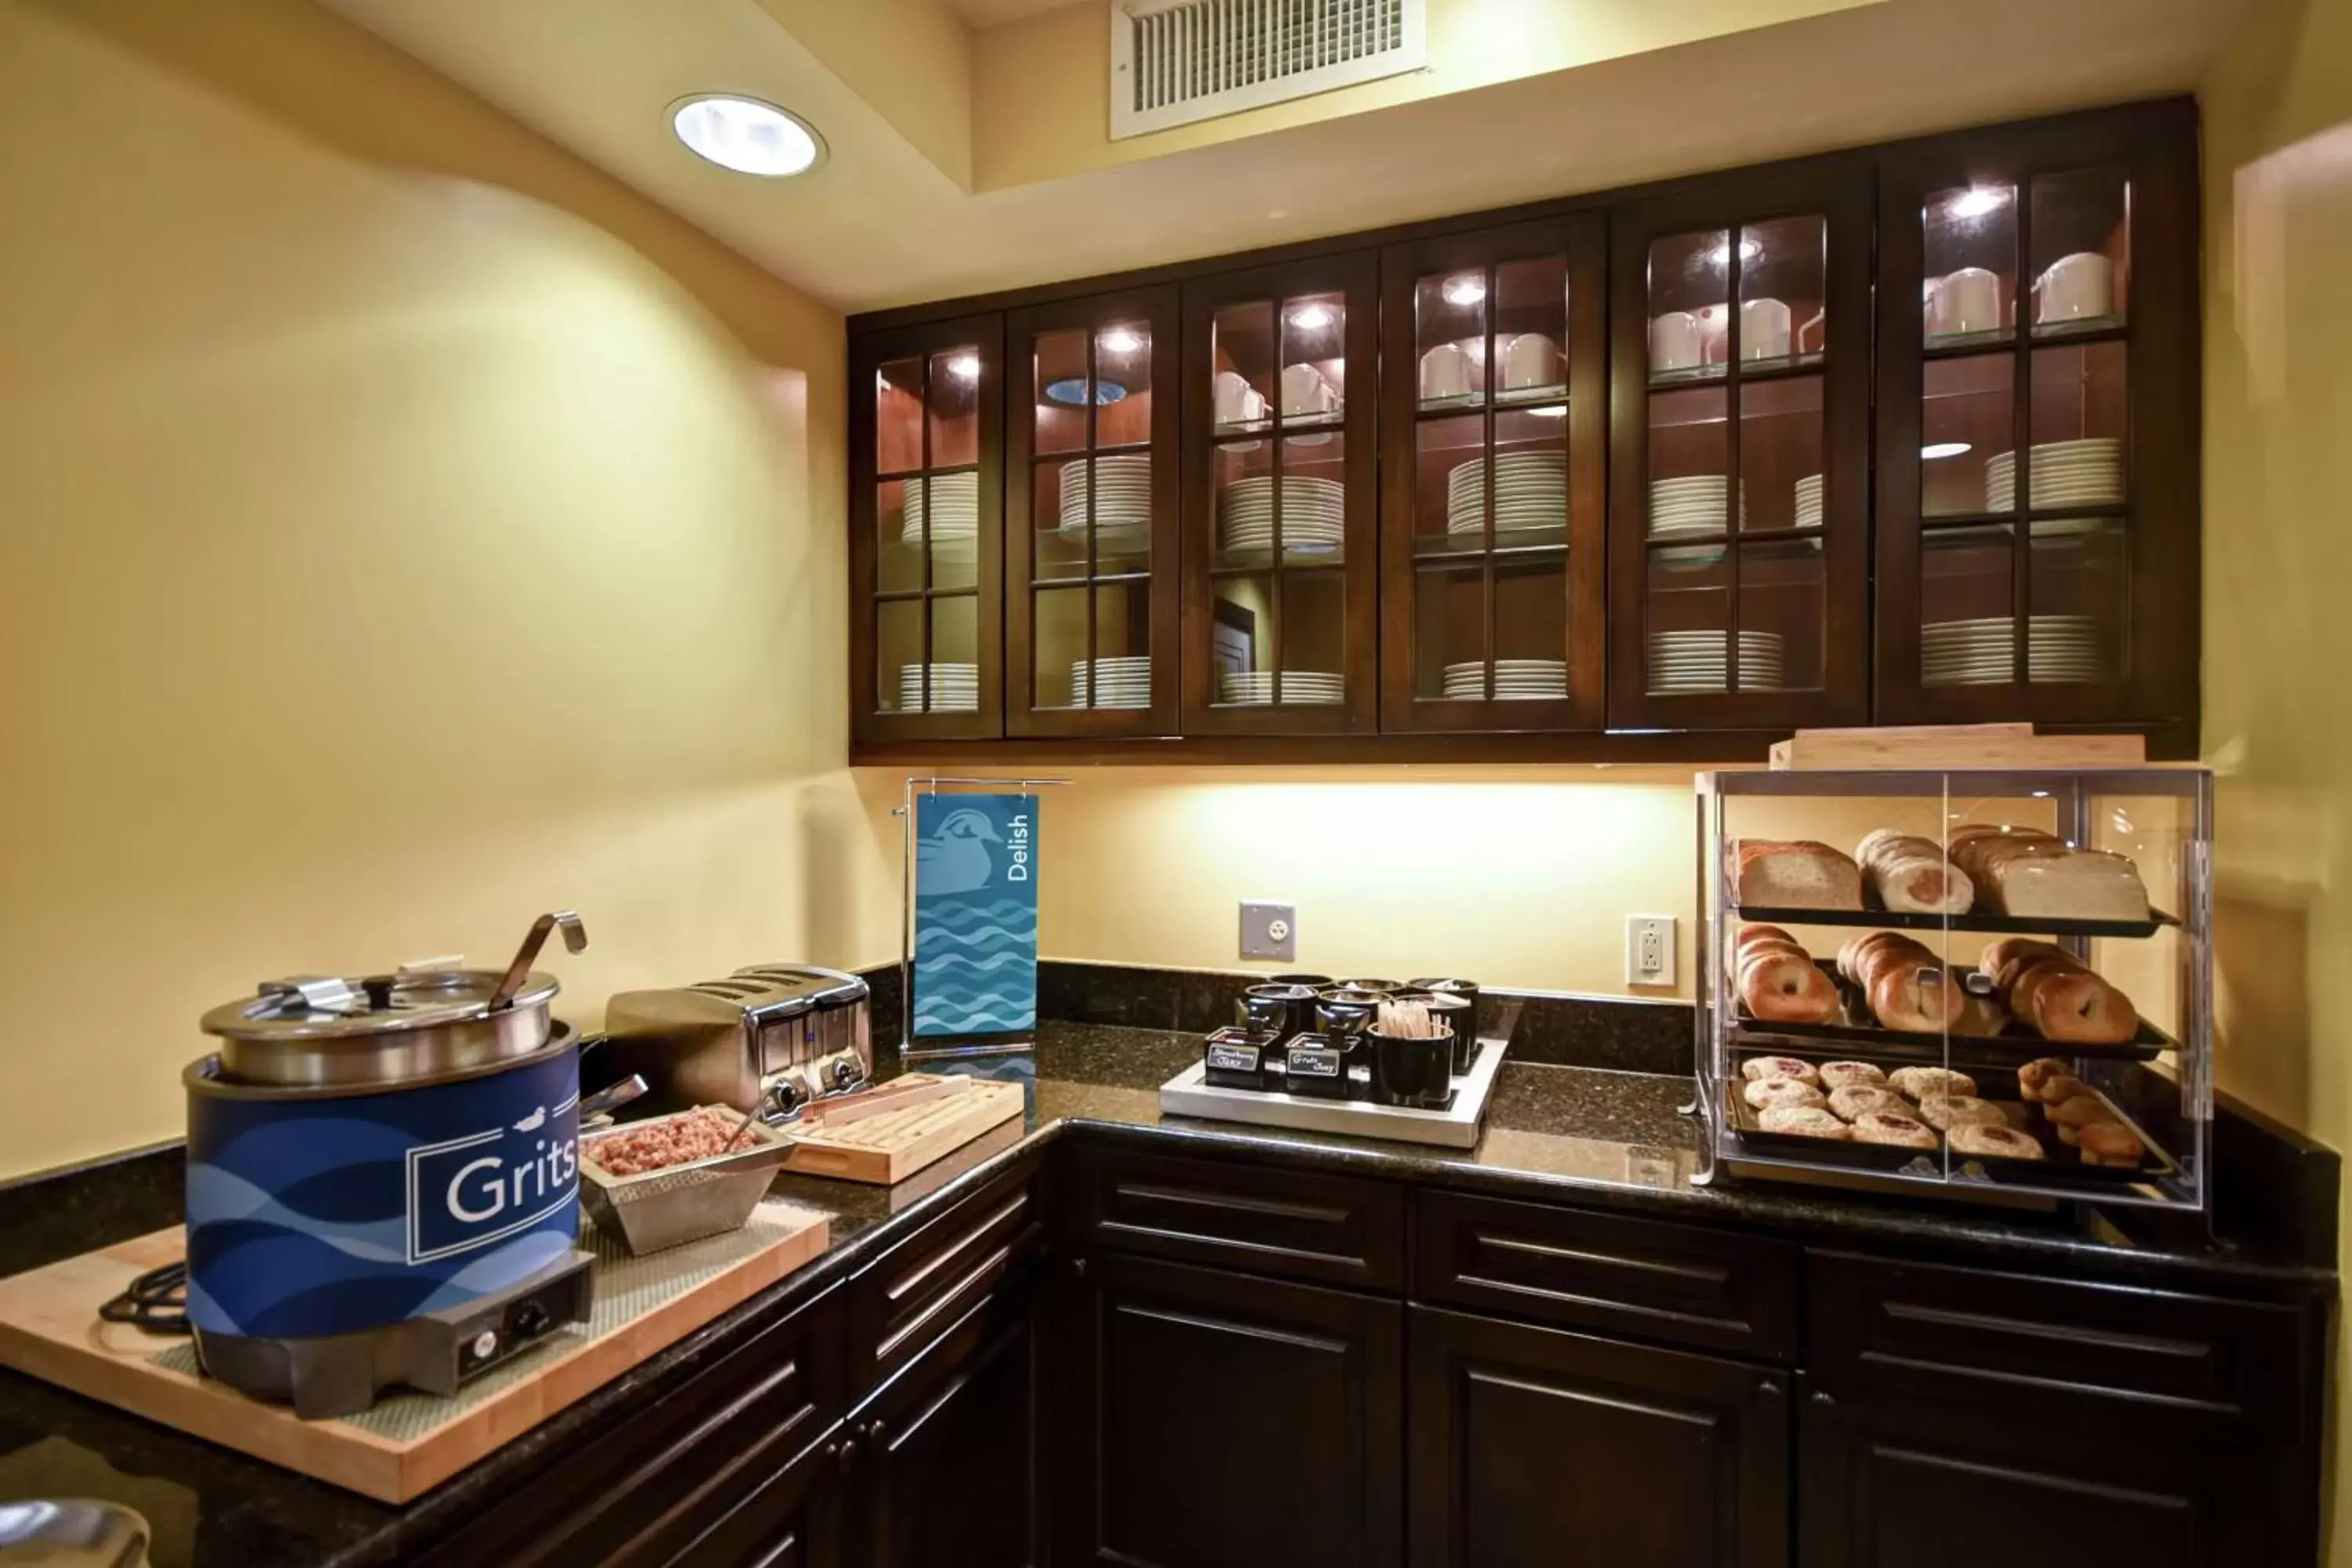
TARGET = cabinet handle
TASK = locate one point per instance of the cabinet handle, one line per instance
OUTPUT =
(848, 1449)
(1078, 1268)
(874, 1431)
(1769, 1388)
(1822, 1398)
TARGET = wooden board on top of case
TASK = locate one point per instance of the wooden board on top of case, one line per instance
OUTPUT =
(1956, 746)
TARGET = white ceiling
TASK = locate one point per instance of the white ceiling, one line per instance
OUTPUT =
(881, 225)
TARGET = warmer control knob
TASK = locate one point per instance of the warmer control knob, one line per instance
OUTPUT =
(485, 1345)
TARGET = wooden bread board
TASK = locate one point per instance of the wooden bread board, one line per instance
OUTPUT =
(410, 1442)
(1956, 746)
(885, 1149)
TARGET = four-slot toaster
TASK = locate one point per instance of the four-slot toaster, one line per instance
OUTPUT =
(769, 1038)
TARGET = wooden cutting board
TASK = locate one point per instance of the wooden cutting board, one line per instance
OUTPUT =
(887, 1148)
(410, 1442)
(1956, 746)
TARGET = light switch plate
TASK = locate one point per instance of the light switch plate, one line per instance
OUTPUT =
(1270, 931)
(1649, 950)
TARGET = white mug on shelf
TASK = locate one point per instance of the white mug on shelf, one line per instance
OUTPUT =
(1677, 341)
(1445, 373)
(1237, 401)
(1305, 392)
(1764, 328)
(1530, 359)
(1967, 301)
(2076, 287)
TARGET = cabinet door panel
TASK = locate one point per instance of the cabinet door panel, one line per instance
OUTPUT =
(1219, 1419)
(793, 1520)
(1529, 1443)
(1739, 462)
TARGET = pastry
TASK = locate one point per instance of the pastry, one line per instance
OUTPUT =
(1850, 1074)
(2000, 1142)
(2057, 995)
(1892, 1127)
(2109, 1144)
(1783, 985)
(2033, 1074)
(2002, 961)
(2074, 1114)
(1802, 875)
(2026, 872)
(1910, 874)
(1804, 1120)
(1855, 1099)
(1918, 1082)
(1751, 935)
(1767, 1092)
(1917, 996)
(1945, 1111)
(1755, 1070)
(1981, 1016)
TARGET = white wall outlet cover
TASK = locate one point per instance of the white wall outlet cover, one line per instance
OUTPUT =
(1649, 950)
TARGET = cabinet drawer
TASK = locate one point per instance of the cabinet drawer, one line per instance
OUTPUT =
(1678, 1284)
(641, 1492)
(2106, 1351)
(1339, 1230)
(913, 1293)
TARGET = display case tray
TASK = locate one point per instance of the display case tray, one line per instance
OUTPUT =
(2063, 1166)
(2003, 925)
(1456, 1127)
(1751, 1033)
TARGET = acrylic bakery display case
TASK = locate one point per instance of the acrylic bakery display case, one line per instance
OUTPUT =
(1992, 984)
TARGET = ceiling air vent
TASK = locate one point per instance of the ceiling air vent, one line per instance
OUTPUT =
(1176, 61)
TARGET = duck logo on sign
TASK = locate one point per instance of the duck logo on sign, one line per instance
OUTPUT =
(465, 1192)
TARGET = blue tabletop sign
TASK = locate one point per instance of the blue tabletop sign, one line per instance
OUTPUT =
(975, 914)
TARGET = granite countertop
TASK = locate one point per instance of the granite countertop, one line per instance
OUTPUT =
(1563, 1133)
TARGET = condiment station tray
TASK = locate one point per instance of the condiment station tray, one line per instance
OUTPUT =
(1190, 1093)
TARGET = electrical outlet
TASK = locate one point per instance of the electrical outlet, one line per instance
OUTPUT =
(1649, 950)
(1270, 931)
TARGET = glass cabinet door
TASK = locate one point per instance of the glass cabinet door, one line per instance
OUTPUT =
(1741, 365)
(1280, 598)
(2036, 300)
(1492, 458)
(925, 537)
(1091, 486)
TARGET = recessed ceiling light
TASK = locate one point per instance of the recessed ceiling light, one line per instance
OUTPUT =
(1121, 341)
(1467, 290)
(1935, 450)
(746, 135)
(1311, 318)
(1979, 200)
(964, 367)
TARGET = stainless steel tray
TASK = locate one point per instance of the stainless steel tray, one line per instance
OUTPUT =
(1457, 1126)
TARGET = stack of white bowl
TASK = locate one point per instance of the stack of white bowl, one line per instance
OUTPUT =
(1255, 688)
(1118, 682)
(1809, 501)
(955, 512)
(2058, 648)
(1515, 680)
(1690, 505)
(1313, 513)
(1530, 491)
(1694, 661)
(2089, 472)
(955, 688)
(1123, 507)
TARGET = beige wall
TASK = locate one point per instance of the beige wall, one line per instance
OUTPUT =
(403, 529)
(2278, 568)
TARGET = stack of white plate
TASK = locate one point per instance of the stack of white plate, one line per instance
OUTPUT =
(1690, 505)
(1530, 491)
(1255, 688)
(1977, 652)
(1118, 682)
(1809, 501)
(2065, 474)
(955, 510)
(955, 688)
(1313, 513)
(1515, 680)
(1125, 501)
(1695, 660)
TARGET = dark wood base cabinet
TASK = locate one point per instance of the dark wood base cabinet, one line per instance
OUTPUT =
(1532, 1447)
(1220, 1420)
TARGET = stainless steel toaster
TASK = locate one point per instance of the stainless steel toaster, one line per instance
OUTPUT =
(771, 1037)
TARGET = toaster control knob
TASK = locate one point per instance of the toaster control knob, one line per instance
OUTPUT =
(530, 1319)
(782, 1100)
(485, 1345)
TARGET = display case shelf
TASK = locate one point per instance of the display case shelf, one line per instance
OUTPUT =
(1989, 925)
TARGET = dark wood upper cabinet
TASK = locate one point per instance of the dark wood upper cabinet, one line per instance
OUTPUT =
(925, 547)
(2038, 292)
(1740, 451)
(1090, 500)
(1279, 533)
(1492, 459)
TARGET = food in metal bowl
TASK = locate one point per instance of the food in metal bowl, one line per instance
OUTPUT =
(696, 1134)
